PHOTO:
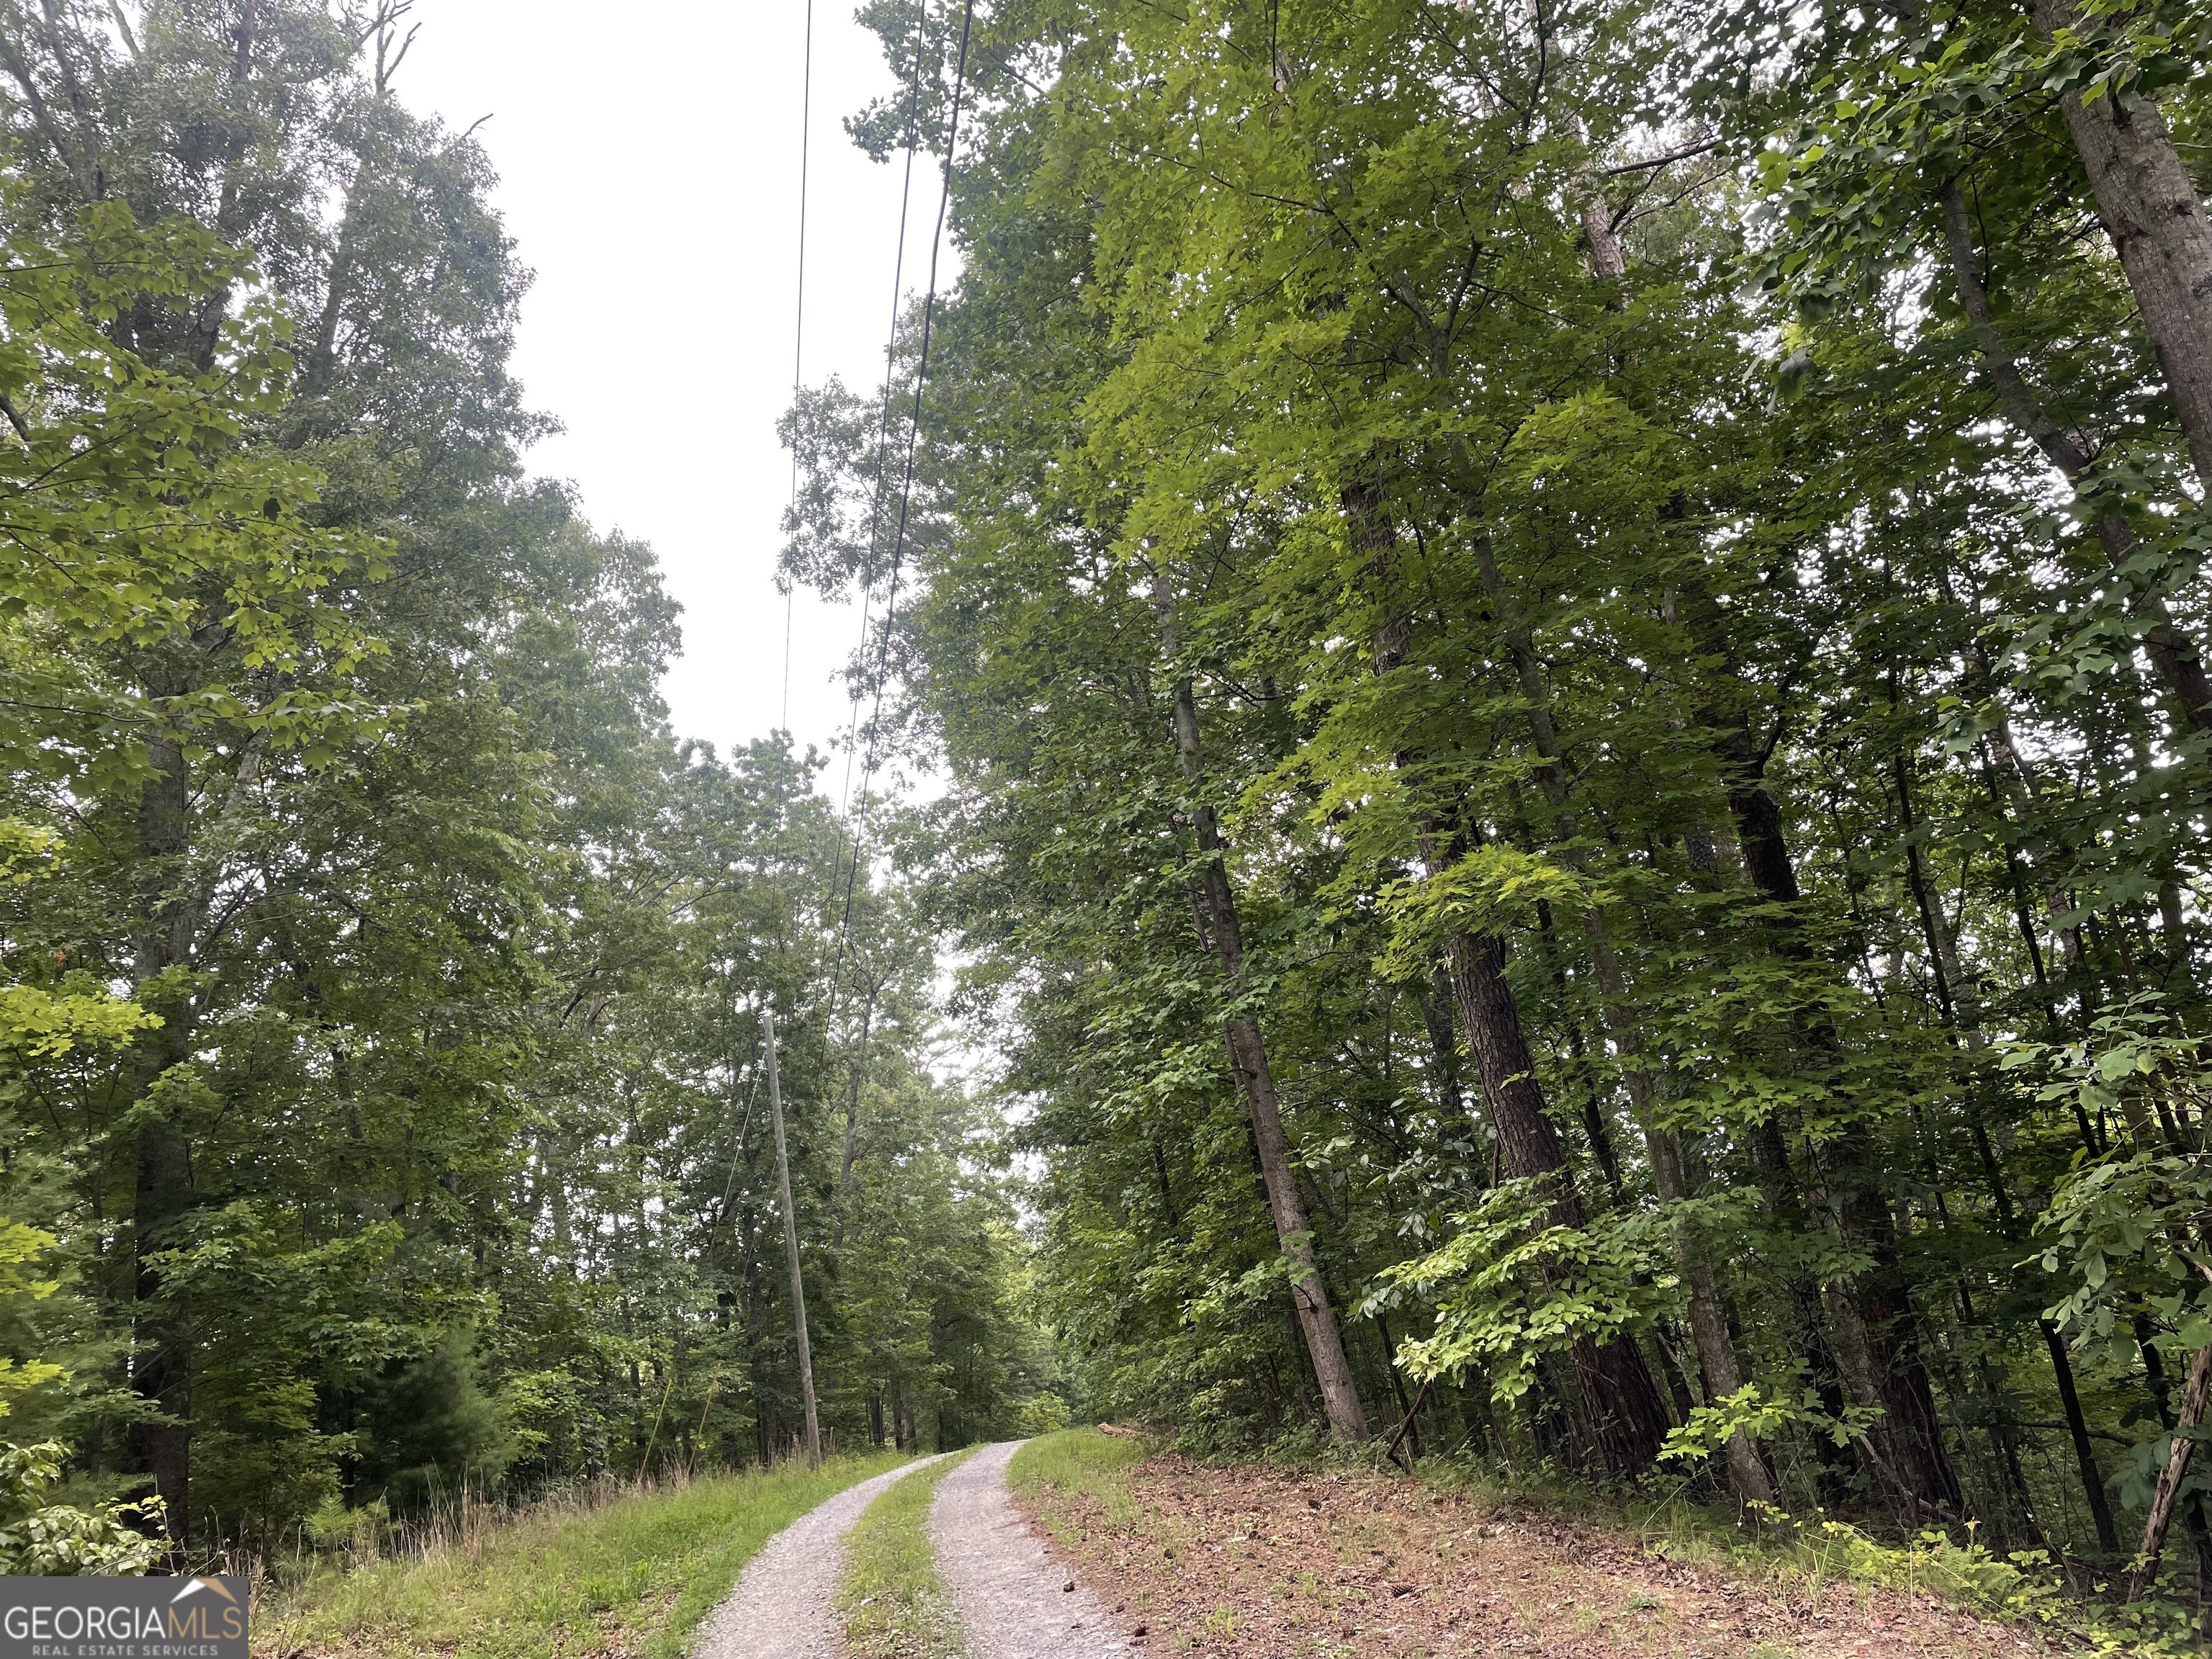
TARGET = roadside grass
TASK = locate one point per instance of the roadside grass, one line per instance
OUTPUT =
(1074, 1480)
(1081, 1463)
(634, 1576)
(891, 1601)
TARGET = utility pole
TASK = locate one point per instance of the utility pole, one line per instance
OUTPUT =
(791, 1249)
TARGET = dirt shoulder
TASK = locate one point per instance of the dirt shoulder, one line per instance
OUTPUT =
(1258, 1563)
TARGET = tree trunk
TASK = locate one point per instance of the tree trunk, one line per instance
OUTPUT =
(322, 354)
(1434, 998)
(806, 1353)
(1785, 1202)
(2193, 1394)
(1880, 1307)
(1628, 1418)
(1716, 1354)
(1623, 1410)
(2077, 1430)
(2148, 204)
(161, 1360)
(1248, 1052)
(1882, 1300)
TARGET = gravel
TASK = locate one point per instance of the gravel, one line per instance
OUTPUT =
(1015, 1602)
(781, 1607)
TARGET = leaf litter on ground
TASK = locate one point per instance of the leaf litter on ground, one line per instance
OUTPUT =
(1260, 1562)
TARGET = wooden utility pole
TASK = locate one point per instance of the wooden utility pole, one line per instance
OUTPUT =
(791, 1249)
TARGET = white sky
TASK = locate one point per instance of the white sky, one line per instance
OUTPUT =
(648, 157)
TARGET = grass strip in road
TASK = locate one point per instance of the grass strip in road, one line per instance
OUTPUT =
(632, 1576)
(893, 1604)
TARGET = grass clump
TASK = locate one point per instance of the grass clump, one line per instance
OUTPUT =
(891, 1601)
(633, 1575)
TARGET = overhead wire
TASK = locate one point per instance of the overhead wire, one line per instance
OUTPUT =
(797, 362)
(906, 498)
(798, 318)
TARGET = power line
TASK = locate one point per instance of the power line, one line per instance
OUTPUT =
(906, 497)
(799, 319)
(798, 360)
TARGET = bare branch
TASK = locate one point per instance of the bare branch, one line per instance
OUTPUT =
(123, 23)
(1667, 159)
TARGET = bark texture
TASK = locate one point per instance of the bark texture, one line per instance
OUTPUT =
(1248, 1052)
(1627, 1416)
(2149, 204)
(2194, 1392)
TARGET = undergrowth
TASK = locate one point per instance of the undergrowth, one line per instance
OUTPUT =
(2019, 1586)
(2026, 1587)
(635, 1574)
(893, 1604)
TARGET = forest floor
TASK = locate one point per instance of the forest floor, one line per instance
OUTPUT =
(1258, 1562)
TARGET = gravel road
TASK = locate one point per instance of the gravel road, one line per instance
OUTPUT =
(1014, 1601)
(780, 1607)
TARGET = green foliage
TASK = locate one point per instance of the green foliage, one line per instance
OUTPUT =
(1706, 1431)
(1677, 695)
(1489, 890)
(1509, 1290)
(2130, 1231)
(381, 983)
(39, 1539)
(1563, 460)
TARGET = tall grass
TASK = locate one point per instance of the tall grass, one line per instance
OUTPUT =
(889, 1598)
(608, 1566)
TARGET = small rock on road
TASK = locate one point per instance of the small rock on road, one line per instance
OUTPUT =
(1014, 1600)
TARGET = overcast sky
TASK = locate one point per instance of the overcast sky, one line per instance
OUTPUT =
(648, 161)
